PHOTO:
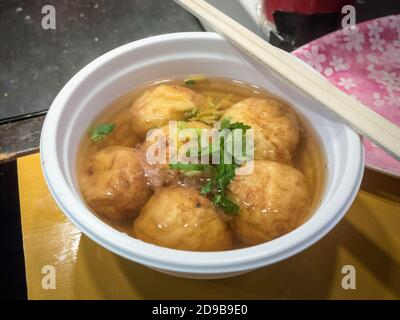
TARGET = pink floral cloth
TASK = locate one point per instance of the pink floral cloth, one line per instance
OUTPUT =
(364, 61)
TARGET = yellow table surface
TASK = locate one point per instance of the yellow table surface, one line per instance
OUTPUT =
(367, 238)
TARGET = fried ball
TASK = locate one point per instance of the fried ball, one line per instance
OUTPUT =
(155, 136)
(158, 173)
(276, 127)
(121, 136)
(181, 218)
(161, 104)
(273, 201)
(114, 183)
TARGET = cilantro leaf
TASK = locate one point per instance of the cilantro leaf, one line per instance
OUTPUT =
(210, 149)
(222, 174)
(190, 82)
(226, 204)
(227, 124)
(225, 174)
(101, 131)
(188, 166)
(206, 188)
(239, 125)
(195, 79)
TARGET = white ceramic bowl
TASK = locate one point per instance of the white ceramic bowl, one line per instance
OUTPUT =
(118, 71)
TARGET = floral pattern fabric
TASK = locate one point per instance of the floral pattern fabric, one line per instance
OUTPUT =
(364, 61)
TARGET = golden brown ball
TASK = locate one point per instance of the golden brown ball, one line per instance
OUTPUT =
(276, 127)
(159, 105)
(114, 183)
(273, 201)
(181, 218)
(157, 157)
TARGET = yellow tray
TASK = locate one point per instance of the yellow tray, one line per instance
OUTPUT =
(368, 238)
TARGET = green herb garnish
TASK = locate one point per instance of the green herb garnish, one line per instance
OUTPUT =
(224, 173)
(191, 169)
(226, 124)
(101, 131)
(221, 174)
(190, 82)
(226, 204)
(207, 188)
(195, 79)
(188, 166)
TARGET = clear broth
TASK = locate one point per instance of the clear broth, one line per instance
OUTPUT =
(309, 157)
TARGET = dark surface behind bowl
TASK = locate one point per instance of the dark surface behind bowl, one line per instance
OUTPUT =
(36, 63)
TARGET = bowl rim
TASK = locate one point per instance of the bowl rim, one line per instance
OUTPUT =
(179, 260)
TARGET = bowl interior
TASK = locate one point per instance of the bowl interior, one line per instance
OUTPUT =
(120, 70)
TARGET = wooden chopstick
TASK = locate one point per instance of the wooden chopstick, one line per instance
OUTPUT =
(362, 119)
